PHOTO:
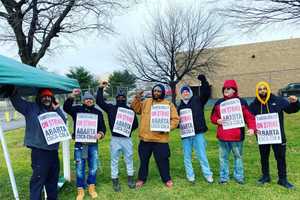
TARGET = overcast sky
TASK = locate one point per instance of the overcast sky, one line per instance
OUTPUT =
(98, 54)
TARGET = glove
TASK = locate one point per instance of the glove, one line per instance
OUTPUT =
(201, 77)
(7, 90)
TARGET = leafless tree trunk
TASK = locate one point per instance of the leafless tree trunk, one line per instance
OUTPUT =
(251, 14)
(34, 24)
(176, 43)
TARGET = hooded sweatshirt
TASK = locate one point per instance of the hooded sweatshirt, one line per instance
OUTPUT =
(144, 109)
(273, 104)
(112, 110)
(34, 137)
(196, 104)
(235, 134)
(73, 110)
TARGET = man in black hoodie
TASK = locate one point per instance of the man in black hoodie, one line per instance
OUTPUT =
(122, 121)
(193, 127)
(267, 103)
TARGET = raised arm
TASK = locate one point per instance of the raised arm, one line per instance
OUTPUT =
(137, 103)
(205, 89)
(100, 100)
(292, 105)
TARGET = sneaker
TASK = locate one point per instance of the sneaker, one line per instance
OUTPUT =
(209, 179)
(169, 184)
(223, 182)
(286, 184)
(263, 180)
(116, 185)
(139, 184)
(131, 182)
(192, 182)
(240, 181)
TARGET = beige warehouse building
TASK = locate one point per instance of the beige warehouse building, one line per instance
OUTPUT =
(277, 62)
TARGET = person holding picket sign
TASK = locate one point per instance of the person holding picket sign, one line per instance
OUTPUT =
(230, 114)
(45, 128)
(193, 127)
(89, 127)
(268, 110)
(158, 117)
(122, 121)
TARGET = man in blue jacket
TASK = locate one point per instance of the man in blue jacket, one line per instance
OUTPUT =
(44, 157)
(194, 106)
(120, 142)
(85, 151)
(267, 103)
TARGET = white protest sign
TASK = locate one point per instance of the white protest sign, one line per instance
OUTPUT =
(86, 128)
(186, 123)
(232, 114)
(268, 129)
(54, 127)
(160, 118)
(124, 121)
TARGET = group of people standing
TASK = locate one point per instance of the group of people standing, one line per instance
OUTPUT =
(263, 117)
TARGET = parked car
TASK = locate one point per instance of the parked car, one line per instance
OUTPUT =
(290, 89)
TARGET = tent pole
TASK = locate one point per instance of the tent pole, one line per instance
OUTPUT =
(8, 164)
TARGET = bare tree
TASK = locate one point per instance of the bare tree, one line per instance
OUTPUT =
(176, 43)
(251, 14)
(35, 24)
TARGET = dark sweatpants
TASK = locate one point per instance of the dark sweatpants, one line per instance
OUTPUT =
(279, 153)
(45, 172)
(161, 152)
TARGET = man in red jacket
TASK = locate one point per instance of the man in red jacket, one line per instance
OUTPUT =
(230, 114)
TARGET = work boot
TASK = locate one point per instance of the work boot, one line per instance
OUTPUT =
(80, 193)
(116, 185)
(264, 179)
(92, 191)
(131, 182)
(286, 184)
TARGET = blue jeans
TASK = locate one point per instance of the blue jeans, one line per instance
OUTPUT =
(120, 145)
(224, 150)
(199, 144)
(92, 159)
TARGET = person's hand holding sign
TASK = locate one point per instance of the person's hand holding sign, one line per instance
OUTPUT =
(250, 132)
(219, 121)
(292, 99)
(100, 135)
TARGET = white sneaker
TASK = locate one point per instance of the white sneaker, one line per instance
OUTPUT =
(209, 179)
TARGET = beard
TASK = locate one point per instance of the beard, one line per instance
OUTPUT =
(263, 96)
(121, 102)
(47, 103)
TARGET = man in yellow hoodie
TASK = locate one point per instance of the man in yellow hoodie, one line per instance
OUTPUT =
(267, 105)
(158, 117)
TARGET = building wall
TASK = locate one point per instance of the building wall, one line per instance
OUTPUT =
(277, 62)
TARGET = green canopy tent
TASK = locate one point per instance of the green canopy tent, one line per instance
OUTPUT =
(28, 80)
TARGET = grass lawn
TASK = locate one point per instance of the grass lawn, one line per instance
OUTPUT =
(154, 188)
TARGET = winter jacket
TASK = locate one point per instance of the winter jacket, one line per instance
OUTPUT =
(235, 134)
(196, 104)
(74, 110)
(144, 108)
(274, 104)
(34, 137)
(111, 111)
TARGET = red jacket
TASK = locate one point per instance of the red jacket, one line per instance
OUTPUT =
(235, 134)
